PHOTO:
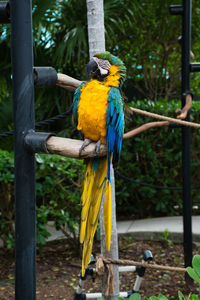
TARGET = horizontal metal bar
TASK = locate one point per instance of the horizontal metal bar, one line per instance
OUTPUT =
(45, 77)
(176, 9)
(123, 269)
(36, 142)
(195, 67)
(93, 295)
(127, 269)
(173, 125)
(99, 295)
(4, 12)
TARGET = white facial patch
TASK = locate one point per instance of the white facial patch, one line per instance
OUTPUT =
(103, 65)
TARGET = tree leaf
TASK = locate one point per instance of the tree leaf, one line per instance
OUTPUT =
(162, 297)
(193, 274)
(194, 297)
(196, 265)
(180, 296)
(135, 296)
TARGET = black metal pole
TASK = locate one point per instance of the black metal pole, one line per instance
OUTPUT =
(23, 97)
(186, 151)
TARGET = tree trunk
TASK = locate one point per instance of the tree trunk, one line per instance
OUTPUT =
(96, 36)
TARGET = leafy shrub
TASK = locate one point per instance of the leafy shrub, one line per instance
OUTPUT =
(154, 158)
(7, 198)
(58, 188)
(58, 191)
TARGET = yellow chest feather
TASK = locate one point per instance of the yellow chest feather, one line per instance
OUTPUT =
(92, 111)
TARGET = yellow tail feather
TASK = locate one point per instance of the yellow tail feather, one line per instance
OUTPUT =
(96, 188)
(107, 213)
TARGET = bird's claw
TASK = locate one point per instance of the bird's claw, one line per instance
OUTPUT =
(97, 147)
(86, 142)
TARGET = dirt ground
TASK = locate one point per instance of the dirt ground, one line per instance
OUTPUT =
(58, 268)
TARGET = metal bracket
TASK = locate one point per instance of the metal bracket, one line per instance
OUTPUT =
(45, 77)
(176, 9)
(195, 67)
(81, 296)
(4, 12)
(35, 142)
(173, 125)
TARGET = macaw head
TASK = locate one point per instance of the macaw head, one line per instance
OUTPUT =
(104, 64)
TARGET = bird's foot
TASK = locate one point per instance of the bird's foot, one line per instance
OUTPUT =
(86, 142)
(97, 147)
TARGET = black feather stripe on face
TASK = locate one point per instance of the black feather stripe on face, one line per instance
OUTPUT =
(103, 64)
(93, 71)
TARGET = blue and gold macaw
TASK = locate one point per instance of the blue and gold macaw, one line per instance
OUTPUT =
(99, 114)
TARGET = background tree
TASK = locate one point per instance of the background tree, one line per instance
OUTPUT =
(142, 33)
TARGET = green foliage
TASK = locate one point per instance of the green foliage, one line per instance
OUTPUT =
(160, 297)
(152, 56)
(195, 271)
(135, 296)
(58, 190)
(154, 158)
(166, 238)
(190, 297)
(6, 198)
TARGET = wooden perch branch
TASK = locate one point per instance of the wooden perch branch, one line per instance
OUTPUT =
(172, 120)
(67, 82)
(71, 84)
(182, 113)
(70, 148)
(144, 127)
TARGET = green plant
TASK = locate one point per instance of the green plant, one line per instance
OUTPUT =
(190, 297)
(153, 158)
(160, 297)
(195, 271)
(58, 186)
(166, 238)
(58, 194)
(41, 233)
(7, 198)
(135, 296)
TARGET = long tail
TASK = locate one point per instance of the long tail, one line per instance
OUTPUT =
(96, 188)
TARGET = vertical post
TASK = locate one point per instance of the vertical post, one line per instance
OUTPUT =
(187, 201)
(96, 36)
(23, 98)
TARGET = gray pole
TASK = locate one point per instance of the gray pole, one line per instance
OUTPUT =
(23, 98)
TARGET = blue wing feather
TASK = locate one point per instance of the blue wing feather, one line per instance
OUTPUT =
(76, 99)
(114, 124)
